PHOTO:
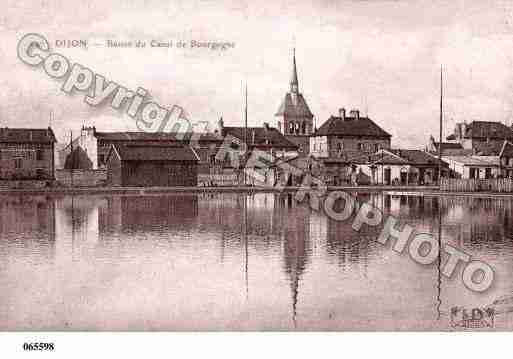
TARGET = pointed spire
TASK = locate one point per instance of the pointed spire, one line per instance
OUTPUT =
(294, 86)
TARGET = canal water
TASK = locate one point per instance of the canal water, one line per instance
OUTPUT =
(228, 261)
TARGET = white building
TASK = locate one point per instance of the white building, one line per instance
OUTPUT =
(475, 167)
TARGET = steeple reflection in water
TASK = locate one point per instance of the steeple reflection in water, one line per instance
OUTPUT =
(236, 261)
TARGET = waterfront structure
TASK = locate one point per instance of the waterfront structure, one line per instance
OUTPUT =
(474, 167)
(482, 137)
(506, 159)
(27, 153)
(348, 133)
(294, 118)
(152, 165)
(265, 138)
(344, 142)
(96, 145)
(403, 167)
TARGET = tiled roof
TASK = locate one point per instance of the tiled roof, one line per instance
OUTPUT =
(263, 137)
(474, 160)
(488, 129)
(351, 126)
(27, 135)
(417, 157)
(456, 152)
(449, 146)
(156, 136)
(387, 159)
(294, 105)
(155, 153)
(488, 149)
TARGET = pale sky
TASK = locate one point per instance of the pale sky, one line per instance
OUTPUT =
(382, 57)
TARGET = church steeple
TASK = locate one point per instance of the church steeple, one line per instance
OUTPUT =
(293, 118)
(294, 86)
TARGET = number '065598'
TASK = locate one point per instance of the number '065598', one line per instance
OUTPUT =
(38, 346)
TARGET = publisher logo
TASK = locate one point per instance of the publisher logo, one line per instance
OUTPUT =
(472, 318)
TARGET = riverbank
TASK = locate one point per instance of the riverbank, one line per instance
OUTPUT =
(393, 190)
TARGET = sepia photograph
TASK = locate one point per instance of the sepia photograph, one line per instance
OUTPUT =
(307, 167)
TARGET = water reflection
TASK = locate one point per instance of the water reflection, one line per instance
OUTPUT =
(234, 261)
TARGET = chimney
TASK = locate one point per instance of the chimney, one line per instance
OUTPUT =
(342, 113)
(220, 125)
(279, 126)
(355, 114)
(266, 126)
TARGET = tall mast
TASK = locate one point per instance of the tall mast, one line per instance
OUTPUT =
(440, 137)
(246, 114)
(246, 147)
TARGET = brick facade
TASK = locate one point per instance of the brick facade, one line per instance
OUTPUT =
(26, 154)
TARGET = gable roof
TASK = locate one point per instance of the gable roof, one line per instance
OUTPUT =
(154, 153)
(482, 161)
(351, 126)
(488, 129)
(417, 157)
(507, 149)
(27, 135)
(448, 146)
(263, 137)
(294, 105)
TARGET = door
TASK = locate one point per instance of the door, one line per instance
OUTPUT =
(388, 175)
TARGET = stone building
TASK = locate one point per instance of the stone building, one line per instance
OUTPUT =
(294, 118)
(348, 133)
(27, 154)
(152, 165)
(482, 137)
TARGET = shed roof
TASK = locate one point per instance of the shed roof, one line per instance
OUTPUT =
(27, 135)
(154, 153)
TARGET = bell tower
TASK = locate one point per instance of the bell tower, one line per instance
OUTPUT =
(294, 118)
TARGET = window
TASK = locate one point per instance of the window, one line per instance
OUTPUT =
(339, 146)
(511, 161)
(39, 155)
(488, 173)
(360, 146)
(18, 163)
(101, 159)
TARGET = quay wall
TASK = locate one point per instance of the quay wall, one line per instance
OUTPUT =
(496, 185)
(80, 178)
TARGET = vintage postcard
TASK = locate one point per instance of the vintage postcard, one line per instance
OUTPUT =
(255, 166)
